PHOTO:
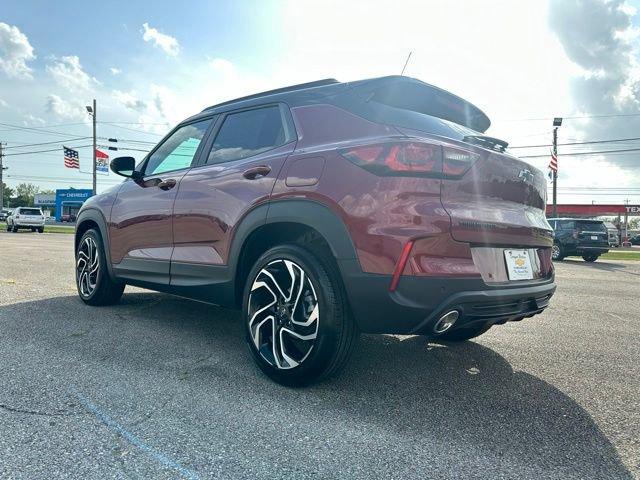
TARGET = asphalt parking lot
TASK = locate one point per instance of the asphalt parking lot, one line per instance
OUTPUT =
(161, 387)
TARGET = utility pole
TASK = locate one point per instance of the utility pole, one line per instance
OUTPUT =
(2, 169)
(556, 123)
(94, 148)
(92, 111)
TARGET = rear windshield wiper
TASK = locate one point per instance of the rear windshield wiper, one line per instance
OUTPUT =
(487, 142)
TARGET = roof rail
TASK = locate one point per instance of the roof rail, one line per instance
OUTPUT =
(300, 86)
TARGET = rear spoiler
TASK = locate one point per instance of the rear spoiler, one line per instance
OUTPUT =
(415, 95)
(487, 142)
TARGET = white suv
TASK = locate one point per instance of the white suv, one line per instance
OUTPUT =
(26, 217)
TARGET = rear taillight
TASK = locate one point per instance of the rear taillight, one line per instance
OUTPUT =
(411, 159)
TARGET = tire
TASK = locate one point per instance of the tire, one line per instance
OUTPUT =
(8, 228)
(557, 254)
(95, 286)
(462, 334)
(41, 230)
(14, 229)
(33, 229)
(319, 312)
(590, 257)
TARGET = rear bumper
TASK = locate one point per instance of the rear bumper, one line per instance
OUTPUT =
(582, 249)
(419, 302)
(28, 224)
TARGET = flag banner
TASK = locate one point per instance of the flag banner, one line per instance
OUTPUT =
(102, 162)
(71, 158)
(553, 164)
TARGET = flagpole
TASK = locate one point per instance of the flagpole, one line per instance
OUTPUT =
(555, 173)
(557, 122)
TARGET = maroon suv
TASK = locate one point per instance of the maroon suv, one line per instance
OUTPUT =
(326, 209)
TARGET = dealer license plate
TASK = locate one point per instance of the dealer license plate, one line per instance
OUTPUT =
(518, 264)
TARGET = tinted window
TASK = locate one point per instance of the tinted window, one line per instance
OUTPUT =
(566, 225)
(591, 226)
(177, 151)
(248, 133)
(30, 211)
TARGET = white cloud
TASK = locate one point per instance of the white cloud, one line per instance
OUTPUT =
(15, 52)
(130, 100)
(115, 71)
(33, 121)
(223, 66)
(68, 73)
(161, 40)
(66, 110)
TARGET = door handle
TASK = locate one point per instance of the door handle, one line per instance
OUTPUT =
(167, 184)
(256, 172)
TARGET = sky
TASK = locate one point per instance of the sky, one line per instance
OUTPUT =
(151, 64)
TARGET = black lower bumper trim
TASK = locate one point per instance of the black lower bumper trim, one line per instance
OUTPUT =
(419, 302)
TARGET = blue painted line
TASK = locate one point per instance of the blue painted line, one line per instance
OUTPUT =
(131, 438)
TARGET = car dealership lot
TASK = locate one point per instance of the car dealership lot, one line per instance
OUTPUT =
(162, 387)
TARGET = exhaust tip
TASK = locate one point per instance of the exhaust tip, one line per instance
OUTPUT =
(446, 321)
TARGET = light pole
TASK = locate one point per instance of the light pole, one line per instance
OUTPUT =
(92, 111)
(557, 122)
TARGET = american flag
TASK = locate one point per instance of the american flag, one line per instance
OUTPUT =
(553, 164)
(71, 158)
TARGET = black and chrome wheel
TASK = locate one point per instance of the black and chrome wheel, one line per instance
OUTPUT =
(556, 253)
(590, 257)
(298, 324)
(87, 266)
(283, 314)
(95, 287)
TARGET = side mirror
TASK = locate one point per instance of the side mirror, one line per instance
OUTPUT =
(125, 167)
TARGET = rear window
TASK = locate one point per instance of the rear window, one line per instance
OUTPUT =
(583, 226)
(566, 225)
(30, 211)
(248, 133)
(429, 100)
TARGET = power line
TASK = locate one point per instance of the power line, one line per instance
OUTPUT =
(576, 154)
(44, 151)
(579, 117)
(25, 145)
(581, 143)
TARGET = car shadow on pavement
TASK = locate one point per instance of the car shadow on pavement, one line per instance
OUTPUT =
(601, 265)
(447, 398)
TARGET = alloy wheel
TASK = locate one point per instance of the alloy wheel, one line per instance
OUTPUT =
(283, 314)
(555, 252)
(87, 266)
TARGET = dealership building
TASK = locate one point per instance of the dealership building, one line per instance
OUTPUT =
(64, 201)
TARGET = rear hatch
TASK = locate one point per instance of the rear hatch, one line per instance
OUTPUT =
(30, 215)
(499, 201)
(591, 233)
(493, 199)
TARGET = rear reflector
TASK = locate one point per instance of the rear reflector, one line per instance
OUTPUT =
(457, 162)
(411, 159)
(402, 262)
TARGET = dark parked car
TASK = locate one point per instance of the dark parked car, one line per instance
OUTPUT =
(325, 209)
(635, 240)
(4, 213)
(69, 218)
(576, 237)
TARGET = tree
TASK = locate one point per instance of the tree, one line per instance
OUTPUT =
(24, 195)
(7, 193)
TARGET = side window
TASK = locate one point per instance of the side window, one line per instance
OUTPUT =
(248, 133)
(177, 151)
